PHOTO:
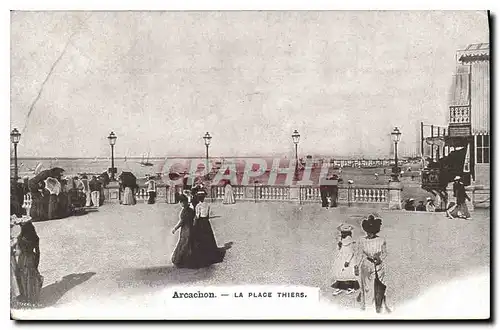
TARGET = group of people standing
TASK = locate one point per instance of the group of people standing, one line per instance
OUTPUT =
(361, 266)
(56, 197)
(197, 246)
(457, 209)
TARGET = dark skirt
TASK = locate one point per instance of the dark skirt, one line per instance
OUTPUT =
(64, 205)
(346, 285)
(53, 207)
(152, 196)
(38, 209)
(30, 279)
(206, 252)
(182, 256)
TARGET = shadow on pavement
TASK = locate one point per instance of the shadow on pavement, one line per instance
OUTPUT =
(162, 276)
(51, 294)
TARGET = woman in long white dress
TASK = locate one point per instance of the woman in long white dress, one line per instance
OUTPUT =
(171, 192)
(128, 196)
(372, 266)
(228, 194)
(344, 277)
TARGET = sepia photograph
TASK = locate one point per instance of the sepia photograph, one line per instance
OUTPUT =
(247, 165)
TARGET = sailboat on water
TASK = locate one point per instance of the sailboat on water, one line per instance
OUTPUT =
(146, 162)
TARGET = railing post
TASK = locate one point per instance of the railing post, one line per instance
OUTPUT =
(295, 193)
(394, 195)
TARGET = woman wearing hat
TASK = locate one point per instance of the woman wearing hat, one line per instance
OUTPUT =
(228, 194)
(15, 280)
(30, 280)
(461, 210)
(372, 268)
(205, 249)
(182, 256)
(345, 279)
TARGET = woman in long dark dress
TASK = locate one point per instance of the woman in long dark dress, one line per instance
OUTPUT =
(29, 258)
(206, 252)
(182, 256)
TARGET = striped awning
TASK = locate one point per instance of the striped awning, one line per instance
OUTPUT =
(460, 89)
(474, 52)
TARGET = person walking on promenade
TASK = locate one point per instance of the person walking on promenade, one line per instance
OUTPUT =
(31, 281)
(151, 189)
(86, 190)
(205, 249)
(461, 197)
(15, 279)
(228, 193)
(345, 279)
(182, 257)
(95, 191)
(372, 267)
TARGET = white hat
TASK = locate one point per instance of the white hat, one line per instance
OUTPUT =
(457, 178)
(14, 220)
(411, 200)
(345, 227)
(429, 199)
(350, 181)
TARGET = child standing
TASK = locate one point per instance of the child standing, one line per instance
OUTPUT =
(345, 279)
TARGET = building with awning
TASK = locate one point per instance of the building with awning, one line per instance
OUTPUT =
(469, 111)
(465, 143)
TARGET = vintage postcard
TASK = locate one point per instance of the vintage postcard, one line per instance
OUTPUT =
(200, 165)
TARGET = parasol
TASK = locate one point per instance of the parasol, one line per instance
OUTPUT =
(128, 179)
(55, 172)
(53, 186)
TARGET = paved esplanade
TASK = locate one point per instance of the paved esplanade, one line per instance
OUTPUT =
(129, 248)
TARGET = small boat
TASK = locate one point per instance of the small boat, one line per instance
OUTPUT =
(146, 162)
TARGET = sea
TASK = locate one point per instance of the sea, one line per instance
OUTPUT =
(161, 167)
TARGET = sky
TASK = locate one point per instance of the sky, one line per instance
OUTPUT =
(161, 80)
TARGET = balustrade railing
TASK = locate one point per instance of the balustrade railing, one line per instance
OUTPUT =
(304, 194)
(369, 194)
(279, 193)
(459, 115)
(353, 194)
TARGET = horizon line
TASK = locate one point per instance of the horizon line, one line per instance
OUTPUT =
(218, 157)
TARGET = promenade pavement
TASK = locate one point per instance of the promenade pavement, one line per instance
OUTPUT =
(124, 252)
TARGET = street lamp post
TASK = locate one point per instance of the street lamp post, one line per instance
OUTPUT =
(207, 139)
(396, 137)
(112, 141)
(15, 136)
(295, 139)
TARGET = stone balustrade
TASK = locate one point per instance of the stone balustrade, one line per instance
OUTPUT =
(347, 194)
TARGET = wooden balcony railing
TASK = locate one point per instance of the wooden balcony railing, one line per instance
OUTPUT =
(459, 115)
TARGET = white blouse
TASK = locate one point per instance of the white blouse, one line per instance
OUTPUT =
(202, 210)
